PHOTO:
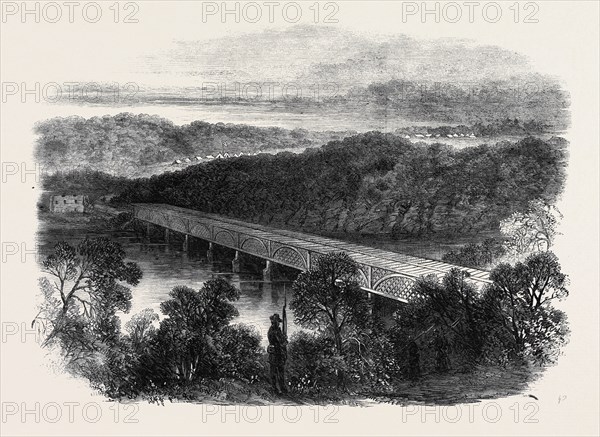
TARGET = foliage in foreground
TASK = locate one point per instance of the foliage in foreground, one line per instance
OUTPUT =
(194, 352)
(511, 320)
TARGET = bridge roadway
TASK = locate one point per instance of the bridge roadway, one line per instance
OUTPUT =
(382, 272)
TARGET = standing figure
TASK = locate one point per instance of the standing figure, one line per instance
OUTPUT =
(277, 354)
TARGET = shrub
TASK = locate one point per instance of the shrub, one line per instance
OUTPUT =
(372, 360)
(313, 365)
(548, 332)
(240, 353)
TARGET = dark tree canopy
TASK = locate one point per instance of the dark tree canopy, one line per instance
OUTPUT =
(87, 289)
(90, 274)
(370, 183)
(521, 295)
(329, 298)
(187, 337)
(534, 282)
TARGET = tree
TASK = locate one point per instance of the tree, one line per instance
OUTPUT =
(141, 327)
(524, 291)
(92, 270)
(186, 338)
(533, 283)
(328, 298)
(88, 282)
(454, 308)
(531, 231)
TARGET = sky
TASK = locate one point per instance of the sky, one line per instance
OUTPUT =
(174, 55)
(168, 41)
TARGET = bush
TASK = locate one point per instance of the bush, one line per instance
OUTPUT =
(548, 332)
(240, 353)
(372, 360)
(313, 365)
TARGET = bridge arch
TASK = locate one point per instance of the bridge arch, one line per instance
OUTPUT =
(362, 279)
(397, 285)
(160, 219)
(180, 225)
(290, 256)
(254, 246)
(143, 214)
(201, 231)
(225, 238)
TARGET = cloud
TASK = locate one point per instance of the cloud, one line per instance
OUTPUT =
(317, 54)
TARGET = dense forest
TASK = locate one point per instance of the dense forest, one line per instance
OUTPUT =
(142, 145)
(535, 99)
(507, 126)
(370, 183)
(125, 144)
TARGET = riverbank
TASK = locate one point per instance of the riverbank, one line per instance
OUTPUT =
(482, 383)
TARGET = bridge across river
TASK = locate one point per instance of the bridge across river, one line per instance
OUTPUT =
(382, 272)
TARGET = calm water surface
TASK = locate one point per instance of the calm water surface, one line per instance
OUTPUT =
(166, 267)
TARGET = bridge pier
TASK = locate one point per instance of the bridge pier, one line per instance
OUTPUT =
(268, 272)
(235, 264)
(167, 239)
(186, 243)
(210, 253)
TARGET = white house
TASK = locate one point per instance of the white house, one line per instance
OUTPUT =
(67, 203)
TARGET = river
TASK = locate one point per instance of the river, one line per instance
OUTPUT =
(166, 267)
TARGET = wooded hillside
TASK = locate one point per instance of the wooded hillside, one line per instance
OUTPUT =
(370, 183)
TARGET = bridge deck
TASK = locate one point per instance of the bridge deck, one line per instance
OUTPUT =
(405, 265)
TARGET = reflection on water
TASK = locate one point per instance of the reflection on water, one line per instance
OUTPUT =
(166, 267)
